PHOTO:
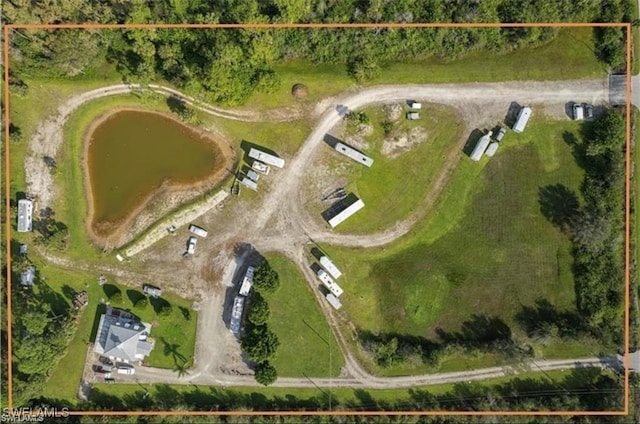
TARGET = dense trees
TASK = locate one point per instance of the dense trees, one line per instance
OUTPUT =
(226, 66)
(266, 278)
(258, 310)
(259, 343)
(265, 373)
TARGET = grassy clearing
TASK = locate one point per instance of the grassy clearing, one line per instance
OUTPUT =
(570, 55)
(484, 249)
(307, 345)
(265, 398)
(393, 188)
(174, 334)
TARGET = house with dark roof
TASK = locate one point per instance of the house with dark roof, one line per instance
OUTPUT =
(122, 337)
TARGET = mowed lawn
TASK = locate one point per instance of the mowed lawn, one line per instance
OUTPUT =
(307, 345)
(485, 248)
(174, 334)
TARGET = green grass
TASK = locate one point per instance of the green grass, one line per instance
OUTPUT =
(569, 56)
(485, 248)
(307, 345)
(173, 330)
(393, 188)
(265, 398)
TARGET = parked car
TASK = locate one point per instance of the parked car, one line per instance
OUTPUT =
(191, 245)
(578, 112)
(127, 370)
(501, 132)
(588, 111)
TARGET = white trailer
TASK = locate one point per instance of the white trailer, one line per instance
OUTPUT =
(236, 314)
(266, 158)
(248, 182)
(346, 213)
(415, 105)
(492, 149)
(260, 167)
(247, 281)
(329, 283)
(199, 231)
(352, 153)
(481, 146)
(330, 267)
(334, 301)
(523, 118)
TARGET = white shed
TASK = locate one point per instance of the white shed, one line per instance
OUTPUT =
(481, 146)
(330, 267)
(523, 118)
(491, 150)
(334, 301)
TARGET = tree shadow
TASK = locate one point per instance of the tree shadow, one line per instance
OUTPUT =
(512, 114)
(135, 296)
(69, 292)
(186, 314)
(110, 290)
(173, 350)
(331, 140)
(176, 105)
(578, 150)
(160, 305)
(59, 306)
(559, 205)
(471, 142)
(544, 319)
(479, 330)
(101, 309)
(246, 146)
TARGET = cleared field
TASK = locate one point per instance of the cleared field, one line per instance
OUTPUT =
(400, 178)
(486, 248)
(307, 345)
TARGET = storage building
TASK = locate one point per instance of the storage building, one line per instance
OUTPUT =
(415, 105)
(253, 175)
(266, 158)
(491, 150)
(346, 213)
(25, 215)
(330, 267)
(247, 281)
(329, 283)
(334, 301)
(152, 290)
(523, 118)
(352, 153)
(481, 146)
(236, 314)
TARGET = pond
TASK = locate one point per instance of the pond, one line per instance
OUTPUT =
(132, 155)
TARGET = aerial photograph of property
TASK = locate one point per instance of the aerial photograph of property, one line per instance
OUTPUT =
(334, 207)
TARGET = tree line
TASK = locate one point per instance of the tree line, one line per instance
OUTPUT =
(227, 66)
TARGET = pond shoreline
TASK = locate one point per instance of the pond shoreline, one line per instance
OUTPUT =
(164, 198)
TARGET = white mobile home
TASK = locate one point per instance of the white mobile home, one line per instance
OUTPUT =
(329, 283)
(481, 146)
(352, 153)
(248, 182)
(523, 118)
(346, 213)
(266, 158)
(330, 267)
(236, 314)
(25, 215)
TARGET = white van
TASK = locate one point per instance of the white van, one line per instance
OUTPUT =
(191, 245)
(198, 230)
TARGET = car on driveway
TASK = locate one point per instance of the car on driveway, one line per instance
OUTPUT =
(578, 112)
(588, 111)
(191, 245)
(126, 370)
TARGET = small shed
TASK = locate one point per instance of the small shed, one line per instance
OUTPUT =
(412, 116)
(152, 291)
(25, 211)
(334, 301)
(27, 277)
(481, 146)
(415, 105)
(253, 175)
(248, 182)
(523, 118)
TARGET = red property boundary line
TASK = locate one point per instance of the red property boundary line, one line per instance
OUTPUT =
(627, 259)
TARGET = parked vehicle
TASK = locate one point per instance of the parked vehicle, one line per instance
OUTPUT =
(199, 231)
(578, 112)
(126, 370)
(412, 116)
(501, 132)
(588, 111)
(191, 245)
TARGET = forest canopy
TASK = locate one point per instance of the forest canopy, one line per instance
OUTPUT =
(226, 66)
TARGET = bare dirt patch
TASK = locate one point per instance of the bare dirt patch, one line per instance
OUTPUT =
(168, 196)
(393, 111)
(394, 146)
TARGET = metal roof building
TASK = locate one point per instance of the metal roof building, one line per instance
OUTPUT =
(25, 215)
(334, 301)
(248, 182)
(329, 283)
(152, 290)
(236, 314)
(266, 158)
(346, 213)
(352, 153)
(523, 118)
(122, 337)
(247, 282)
(481, 146)
(330, 267)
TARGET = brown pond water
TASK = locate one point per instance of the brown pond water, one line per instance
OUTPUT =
(131, 154)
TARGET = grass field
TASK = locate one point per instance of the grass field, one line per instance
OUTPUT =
(174, 334)
(272, 398)
(307, 345)
(393, 187)
(485, 248)
(569, 56)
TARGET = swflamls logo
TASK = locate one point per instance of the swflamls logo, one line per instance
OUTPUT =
(28, 414)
